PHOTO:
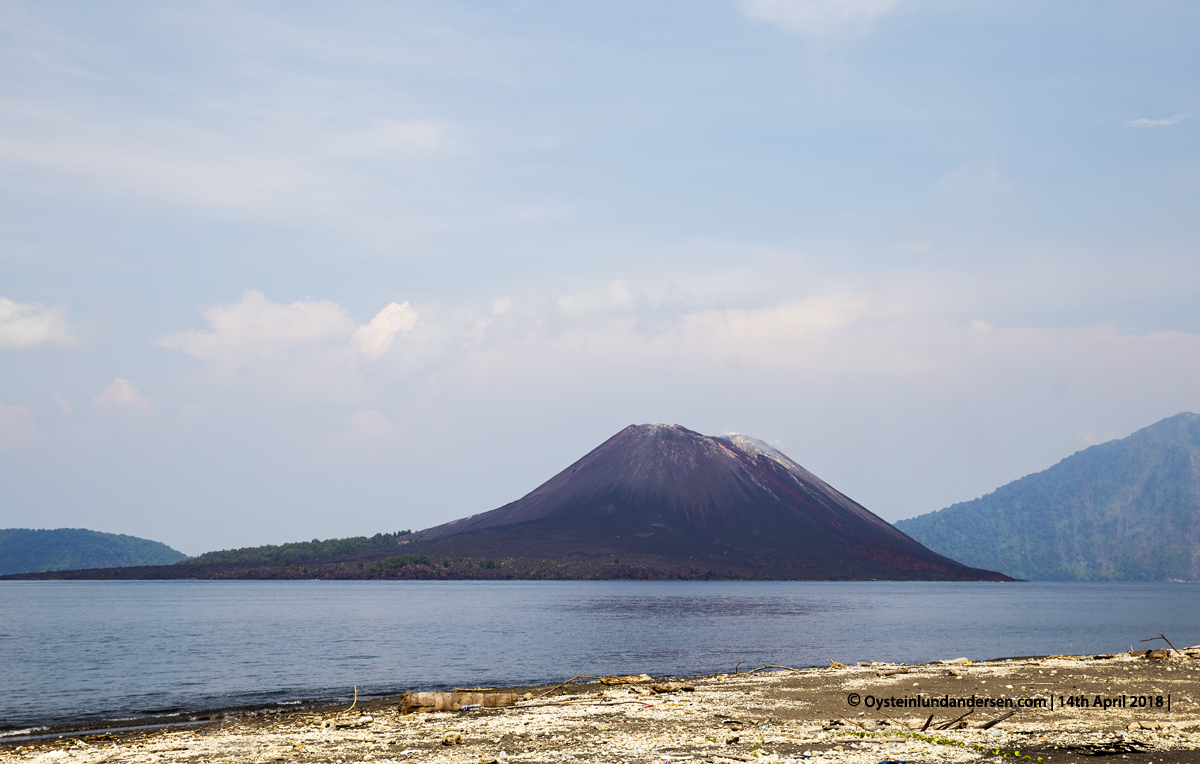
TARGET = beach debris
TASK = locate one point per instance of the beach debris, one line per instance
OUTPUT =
(452, 738)
(630, 679)
(953, 722)
(962, 661)
(996, 721)
(667, 687)
(732, 738)
(893, 672)
(604, 680)
(1163, 638)
(1109, 748)
(765, 667)
(421, 702)
(346, 722)
(928, 721)
(835, 664)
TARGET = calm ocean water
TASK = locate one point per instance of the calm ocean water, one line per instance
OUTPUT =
(91, 651)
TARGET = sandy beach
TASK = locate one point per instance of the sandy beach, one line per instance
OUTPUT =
(1132, 707)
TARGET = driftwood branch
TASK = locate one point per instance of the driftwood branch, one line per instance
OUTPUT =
(997, 720)
(1163, 638)
(952, 722)
(564, 684)
(760, 668)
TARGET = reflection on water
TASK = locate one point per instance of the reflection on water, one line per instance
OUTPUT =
(88, 651)
(709, 607)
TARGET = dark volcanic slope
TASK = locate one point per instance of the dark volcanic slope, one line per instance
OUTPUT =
(1126, 510)
(664, 495)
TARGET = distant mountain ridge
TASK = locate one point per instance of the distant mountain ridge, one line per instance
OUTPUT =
(24, 550)
(1126, 510)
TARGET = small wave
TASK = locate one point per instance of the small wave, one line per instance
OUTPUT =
(28, 731)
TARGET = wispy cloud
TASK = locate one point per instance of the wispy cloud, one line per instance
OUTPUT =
(28, 325)
(1144, 122)
(974, 181)
(18, 427)
(369, 430)
(817, 16)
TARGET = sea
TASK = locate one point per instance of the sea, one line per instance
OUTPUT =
(94, 652)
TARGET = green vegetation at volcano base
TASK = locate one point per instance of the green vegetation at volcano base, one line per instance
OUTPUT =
(299, 551)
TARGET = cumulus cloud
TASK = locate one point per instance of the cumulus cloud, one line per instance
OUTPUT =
(308, 349)
(254, 328)
(885, 335)
(121, 397)
(1167, 122)
(816, 16)
(375, 339)
(28, 325)
(18, 427)
(895, 333)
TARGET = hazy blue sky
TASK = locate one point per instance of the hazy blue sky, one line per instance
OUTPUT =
(277, 270)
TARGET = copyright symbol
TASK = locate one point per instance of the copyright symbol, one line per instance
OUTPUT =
(853, 699)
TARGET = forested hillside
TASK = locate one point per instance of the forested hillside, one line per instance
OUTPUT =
(23, 550)
(1126, 510)
(299, 551)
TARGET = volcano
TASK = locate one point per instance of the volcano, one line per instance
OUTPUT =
(663, 498)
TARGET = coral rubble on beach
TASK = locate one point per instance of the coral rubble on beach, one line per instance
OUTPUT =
(812, 715)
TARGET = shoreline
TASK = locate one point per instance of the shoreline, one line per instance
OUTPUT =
(227, 714)
(766, 714)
